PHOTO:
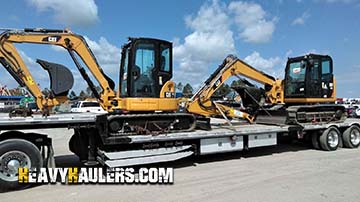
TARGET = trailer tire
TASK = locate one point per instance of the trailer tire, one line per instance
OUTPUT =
(15, 153)
(330, 139)
(315, 141)
(351, 137)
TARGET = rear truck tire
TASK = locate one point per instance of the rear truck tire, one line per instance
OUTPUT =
(330, 139)
(315, 141)
(351, 137)
(15, 153)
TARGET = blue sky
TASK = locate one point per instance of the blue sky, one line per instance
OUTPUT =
(263, 33)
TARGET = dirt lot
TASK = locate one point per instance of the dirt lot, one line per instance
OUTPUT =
(282, 173)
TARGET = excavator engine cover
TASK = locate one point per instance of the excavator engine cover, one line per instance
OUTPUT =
(61, 78)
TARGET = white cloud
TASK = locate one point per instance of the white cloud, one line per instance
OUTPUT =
(30, 62)
(68, 13)
(314, 51)
(257, 61)
(196, 53)
(301, 19)
(251, 21)
(210, 41)
(212, 37)
(107, 55)
(36, 71)
(57, 48)
(269, 66)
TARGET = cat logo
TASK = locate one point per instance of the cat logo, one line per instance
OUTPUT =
(217, 83)
(52, 39)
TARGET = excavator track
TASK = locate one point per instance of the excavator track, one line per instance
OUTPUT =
(302, 115)
(323, 113)
(146, 124)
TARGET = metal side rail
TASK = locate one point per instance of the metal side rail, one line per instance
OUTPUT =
(139, 157)
(61, 120)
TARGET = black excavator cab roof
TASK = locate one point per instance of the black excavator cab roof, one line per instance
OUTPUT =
(309, 76)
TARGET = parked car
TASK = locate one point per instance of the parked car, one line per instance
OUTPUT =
(357, 111)
(351, 111)
(87, 106)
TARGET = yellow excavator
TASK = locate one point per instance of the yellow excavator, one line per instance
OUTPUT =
(307, 94)
(145, 99)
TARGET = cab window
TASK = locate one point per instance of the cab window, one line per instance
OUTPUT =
(143, 78)
(124, 80)
(295, 82)
(165, 58)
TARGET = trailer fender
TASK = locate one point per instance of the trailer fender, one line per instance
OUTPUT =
(41, 141)
(35, 138)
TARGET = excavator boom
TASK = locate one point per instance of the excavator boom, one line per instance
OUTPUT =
(76, 46)
(202, 104)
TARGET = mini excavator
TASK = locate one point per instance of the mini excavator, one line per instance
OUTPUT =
(145, 102)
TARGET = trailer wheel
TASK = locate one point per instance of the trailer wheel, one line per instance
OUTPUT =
(330, 139)
(351, 137)
(16, 153)
(315, 140)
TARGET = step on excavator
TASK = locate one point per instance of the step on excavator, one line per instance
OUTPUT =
(145, 102)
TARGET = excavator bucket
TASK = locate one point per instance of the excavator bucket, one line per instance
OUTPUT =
(253, 99)
(251, 96)
(61, 78)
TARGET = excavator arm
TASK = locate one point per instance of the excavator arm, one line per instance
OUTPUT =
(202, 104)
(74, 44)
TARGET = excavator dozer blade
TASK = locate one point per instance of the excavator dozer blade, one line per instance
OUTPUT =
(272, 117)
(302, 115)
(61, 78)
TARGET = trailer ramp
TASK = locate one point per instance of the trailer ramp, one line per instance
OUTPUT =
(146, 156)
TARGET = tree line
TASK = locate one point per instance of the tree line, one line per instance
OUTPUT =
(187, 91)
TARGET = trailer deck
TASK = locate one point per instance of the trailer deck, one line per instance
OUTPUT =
(93, 144)
(37, 121)
(219, 127)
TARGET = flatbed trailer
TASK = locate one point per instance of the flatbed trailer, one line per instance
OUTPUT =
(94, 144)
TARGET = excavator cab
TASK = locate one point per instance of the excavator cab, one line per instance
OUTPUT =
(309, 78)
(146, 65)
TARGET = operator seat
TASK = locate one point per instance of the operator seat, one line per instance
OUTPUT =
(142, 84)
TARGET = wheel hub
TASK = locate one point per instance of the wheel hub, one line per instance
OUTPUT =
(10, 162)
(13, 166)
(333, 139)
(355, 137)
